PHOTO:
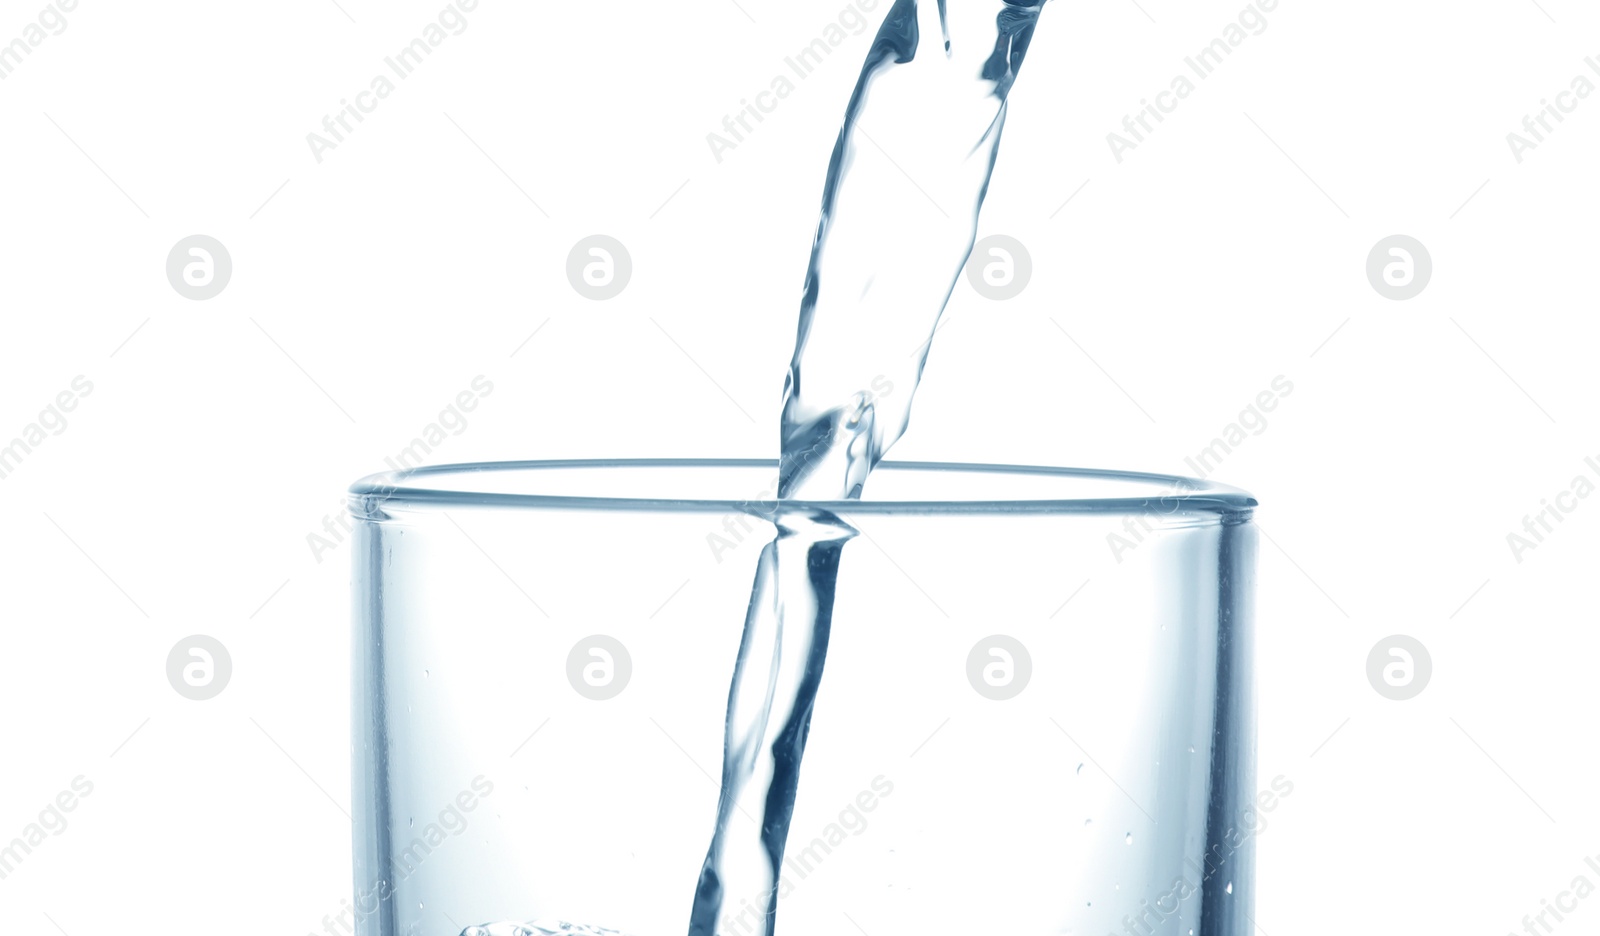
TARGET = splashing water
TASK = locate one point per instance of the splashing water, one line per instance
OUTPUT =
(889, 249)
(539, 928)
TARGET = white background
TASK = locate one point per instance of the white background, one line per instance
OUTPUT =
(370, 288)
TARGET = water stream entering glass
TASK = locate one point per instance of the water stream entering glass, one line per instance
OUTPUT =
(889, 248)
(880, 274)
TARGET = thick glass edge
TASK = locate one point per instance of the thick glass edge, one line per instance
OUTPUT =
(369, 496)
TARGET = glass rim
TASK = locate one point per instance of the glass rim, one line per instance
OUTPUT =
(1169, 494)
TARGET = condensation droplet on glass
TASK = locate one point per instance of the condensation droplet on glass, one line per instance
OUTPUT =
(1087, 821)
(1229, 888)
(1128, 840)
(1080, 769)
(424, 674)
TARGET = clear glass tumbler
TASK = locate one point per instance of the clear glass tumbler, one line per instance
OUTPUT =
(1035, 717)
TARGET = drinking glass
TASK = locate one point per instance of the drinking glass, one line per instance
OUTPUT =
(1035, 716)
